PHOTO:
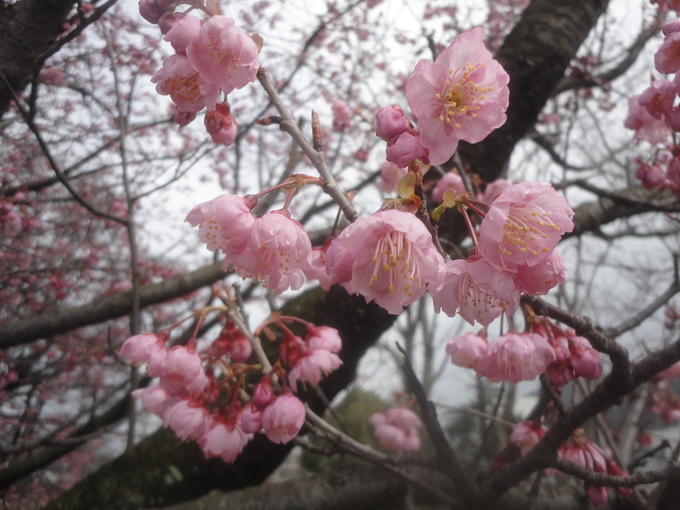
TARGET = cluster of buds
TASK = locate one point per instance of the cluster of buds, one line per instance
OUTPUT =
(205, 397)
(211, 57)
(578, 449)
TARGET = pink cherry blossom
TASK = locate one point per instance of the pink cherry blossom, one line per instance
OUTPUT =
(323, 337)
(667, 57)
(312, 366)
(450, 180)
(462, 95)
(279, 253)
(397, 429)
(389, 257)
(516, 357)
(317, 268)
(585, 360)
(493, 189)
(141, 348)
(652, 176)
(523, 225)
(467, 350)
(342, 115)
(181, 372)
(539, 279)
(223, 54)
(646, 127)
(187, 418)
(283, 418)
(223, 224)
(405, 149)
(222, 439)
(658, 98)
(220, 125)
(182, 32)
(390, 175)
(476, 290)
(251, 419)
(152, 398)
(189, 91)
(390, 122)
(526, 434)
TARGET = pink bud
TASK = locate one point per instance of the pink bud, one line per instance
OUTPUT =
(342, 115)
(140, 348)
(405, 149)
(183, 118)
(150, 11)
(390, 122)
(251, 419)
(263, 393)
(221, 126)
(596, 493)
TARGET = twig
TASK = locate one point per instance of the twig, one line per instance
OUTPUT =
(289, 126)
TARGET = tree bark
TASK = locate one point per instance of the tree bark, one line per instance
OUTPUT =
(27, 29)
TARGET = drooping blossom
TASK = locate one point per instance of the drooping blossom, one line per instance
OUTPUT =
(476, 290)
(187, 89)
(667, 57)
(516, 357)
(312, 358)
(390, 175)
(223, 54)
(317, 268)
(646, 127)
(232, 342)
(186, 418)
(152, 398)
(283, 418)
(223, 224)
(585, 453)
(342, 115)
(523, 225)
(220, 125)
(279, 253)
(389, 258)
(526, 434)
(450, 180)
(462, 95)
(539, 279)
(181, 372)
(223, 439)
(141, 348)
(397, 429)
(574, 356)
(658, 98)
(467, 350)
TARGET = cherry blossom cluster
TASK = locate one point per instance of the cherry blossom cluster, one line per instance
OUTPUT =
(654, 115)
(663, 400)
(193, 387)
(578, 449)
(397, 429)
(515, 253)
(515, 357)
(212, 57)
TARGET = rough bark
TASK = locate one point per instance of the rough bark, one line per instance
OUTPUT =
(535, 54)
(27, 29)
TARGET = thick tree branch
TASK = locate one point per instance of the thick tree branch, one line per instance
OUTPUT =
(48, 325)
